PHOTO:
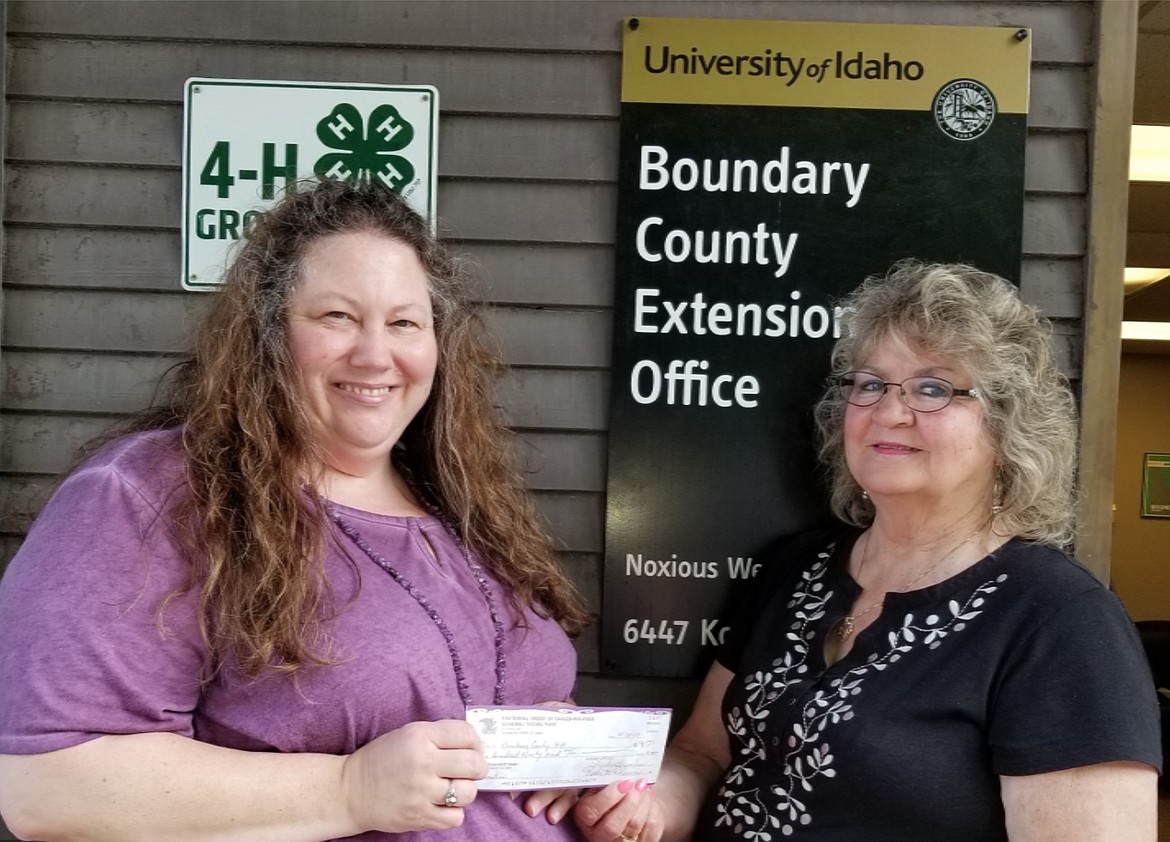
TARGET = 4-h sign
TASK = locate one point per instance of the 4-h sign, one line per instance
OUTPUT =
(245, 141)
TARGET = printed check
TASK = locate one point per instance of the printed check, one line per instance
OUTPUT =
(565, 747)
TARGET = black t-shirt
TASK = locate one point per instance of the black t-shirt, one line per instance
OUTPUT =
(1019, 665)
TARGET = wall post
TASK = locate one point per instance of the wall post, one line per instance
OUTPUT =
(1116, 54)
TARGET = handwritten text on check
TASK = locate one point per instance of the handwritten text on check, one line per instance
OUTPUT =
(565, 747)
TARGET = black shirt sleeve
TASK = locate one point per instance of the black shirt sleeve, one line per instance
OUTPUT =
(1075, 692)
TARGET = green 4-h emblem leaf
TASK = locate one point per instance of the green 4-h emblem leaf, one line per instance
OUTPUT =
(366, 154)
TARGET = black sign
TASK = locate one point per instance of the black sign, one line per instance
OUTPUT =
(740, 227)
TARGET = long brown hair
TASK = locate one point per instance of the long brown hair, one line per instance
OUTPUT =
(254, 540)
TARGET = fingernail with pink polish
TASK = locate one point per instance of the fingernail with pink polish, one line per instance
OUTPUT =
(640, 785)
(624, 787)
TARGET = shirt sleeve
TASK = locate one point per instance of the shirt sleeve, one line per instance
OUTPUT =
(1077, 691)
(85, 650)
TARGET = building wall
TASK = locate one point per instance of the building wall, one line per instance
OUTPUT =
(1141, 560)
(528, 143)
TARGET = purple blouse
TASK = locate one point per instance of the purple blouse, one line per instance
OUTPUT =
(85, 653)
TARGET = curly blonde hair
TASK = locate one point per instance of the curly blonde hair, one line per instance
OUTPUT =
(254, 545)
(975, 321)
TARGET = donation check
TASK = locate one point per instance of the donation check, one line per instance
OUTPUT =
(566, 747)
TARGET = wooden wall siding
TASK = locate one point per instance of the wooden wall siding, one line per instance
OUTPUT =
(527, 164)
(1062, 30)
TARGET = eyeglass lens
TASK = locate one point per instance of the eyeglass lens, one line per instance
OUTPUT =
(922, 394)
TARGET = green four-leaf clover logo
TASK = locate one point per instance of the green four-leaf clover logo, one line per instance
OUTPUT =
(366, 154)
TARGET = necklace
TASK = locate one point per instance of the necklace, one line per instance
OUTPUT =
(848, 623)
(456, 661)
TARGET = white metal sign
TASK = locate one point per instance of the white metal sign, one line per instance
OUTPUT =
(245, 140)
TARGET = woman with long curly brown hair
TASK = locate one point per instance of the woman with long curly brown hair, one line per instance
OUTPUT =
(261, 611)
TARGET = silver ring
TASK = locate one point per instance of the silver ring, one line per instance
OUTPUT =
(451, 799)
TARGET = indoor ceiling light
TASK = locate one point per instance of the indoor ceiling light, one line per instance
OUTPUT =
(1144, 276)
(1149, 153)
(1138, 278)
(1146, 330)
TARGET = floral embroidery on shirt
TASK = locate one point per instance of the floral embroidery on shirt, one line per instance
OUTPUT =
(806, 753)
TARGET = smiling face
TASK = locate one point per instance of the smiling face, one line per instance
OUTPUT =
(361, 333)
(938, 460)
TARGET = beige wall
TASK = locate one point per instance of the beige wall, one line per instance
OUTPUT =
(1141, 546)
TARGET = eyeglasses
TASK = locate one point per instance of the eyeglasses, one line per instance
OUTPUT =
(921, 394)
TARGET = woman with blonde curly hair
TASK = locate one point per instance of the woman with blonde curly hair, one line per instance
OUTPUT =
(937, 667)
(261, 611)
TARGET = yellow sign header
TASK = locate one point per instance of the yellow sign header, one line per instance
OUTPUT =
(819, 65)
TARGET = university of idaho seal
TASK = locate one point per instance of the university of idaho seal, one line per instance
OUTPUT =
(964, 109)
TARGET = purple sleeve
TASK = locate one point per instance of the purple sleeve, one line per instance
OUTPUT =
(85, 652)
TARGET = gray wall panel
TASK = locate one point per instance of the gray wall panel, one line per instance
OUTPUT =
(1061, 34)
(585, 569)
(79, 258)
(46, 444)
(554, 338)
(528, 211)
(524, 148)
(134, 134)
(588, 647)
(100, 196)
(1067, 336)
(512, 273)
(1053, 285)
(152, 198)
(509, 82)
(140, 134)
(563, 461)
(74, 382)
(575, 275)
(1054, 225)
(99, 320)
(576, 520)
(1056, 162)
(555, 399)
(528, 147)
(9, 544)
(470, 210)
(1059, 98)
(21, 497)
(120, 383)
(160, 323)
(467, 81)
(38, 443)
